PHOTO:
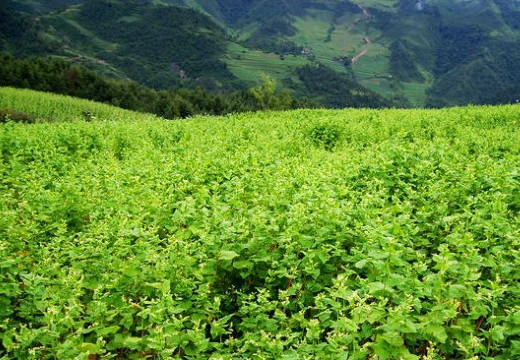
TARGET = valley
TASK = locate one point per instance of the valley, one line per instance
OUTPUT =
(407, 52)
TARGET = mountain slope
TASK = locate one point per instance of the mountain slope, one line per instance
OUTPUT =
(165, 46)
(420, 51)
(157, 45)
(37, 7)
(413, 52)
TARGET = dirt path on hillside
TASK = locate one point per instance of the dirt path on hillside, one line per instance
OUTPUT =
(365, 12)
(356, 58)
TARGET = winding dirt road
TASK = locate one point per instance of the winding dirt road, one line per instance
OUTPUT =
(365, 12)
(356, 58)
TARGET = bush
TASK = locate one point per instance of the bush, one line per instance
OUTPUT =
(13, 115)
(324, 135)
(88, 115)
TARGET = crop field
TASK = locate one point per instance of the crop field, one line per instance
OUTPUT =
(416, 93)
(59, 108)
(347, 38)
(309, 234)
(314, 29)
(251, 65)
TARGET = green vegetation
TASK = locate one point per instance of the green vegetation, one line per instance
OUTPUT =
(165, 46)
(316, 81)
(413, 53)
(154, 44)
(489, 69)
(438, 53)
(251, 65)
(45, 107)
(36, 6)
(308, 234)
(403, 64)
(62, 77)
(416, 93)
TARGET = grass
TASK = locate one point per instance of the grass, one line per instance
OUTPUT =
(312, 33)
(388, 5)
(60, 108)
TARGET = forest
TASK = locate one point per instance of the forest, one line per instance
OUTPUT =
(63, 77)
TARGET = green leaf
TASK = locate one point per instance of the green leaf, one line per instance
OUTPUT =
(376, 287)
(378, 254)
(165, 287)
(497, 334)
(107, 330)
(515, 347)
(456, 291)
(227, 255)
(404, 354)
(242, 264)
(132, 342)
(89, 348)
(217, 329)
(392, 338)
(437, 331)
(345, 324)
(360, 264)
(7, 340)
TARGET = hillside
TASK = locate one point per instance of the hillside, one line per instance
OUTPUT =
(167, 47)
(66, 78)
(411, 52)
(159, 46)
(282, 235)
(45, 107)
(433, 52)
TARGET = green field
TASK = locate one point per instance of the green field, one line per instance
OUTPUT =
(387, 5)
(312, 33)
(54, 108)
(348, 39)
(415, 93)
(251, 65)
(309, 234)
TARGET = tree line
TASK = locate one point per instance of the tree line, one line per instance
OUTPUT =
(63, 77)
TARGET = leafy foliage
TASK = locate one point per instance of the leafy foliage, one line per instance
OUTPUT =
(237, 238)
(325, 136)
(12, 115)
(19, 105)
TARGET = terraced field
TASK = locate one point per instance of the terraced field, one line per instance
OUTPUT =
(251, 65)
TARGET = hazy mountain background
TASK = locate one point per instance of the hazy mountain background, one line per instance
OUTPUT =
(411, 52)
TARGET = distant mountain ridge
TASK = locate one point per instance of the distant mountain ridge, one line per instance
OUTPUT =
(412, 52)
